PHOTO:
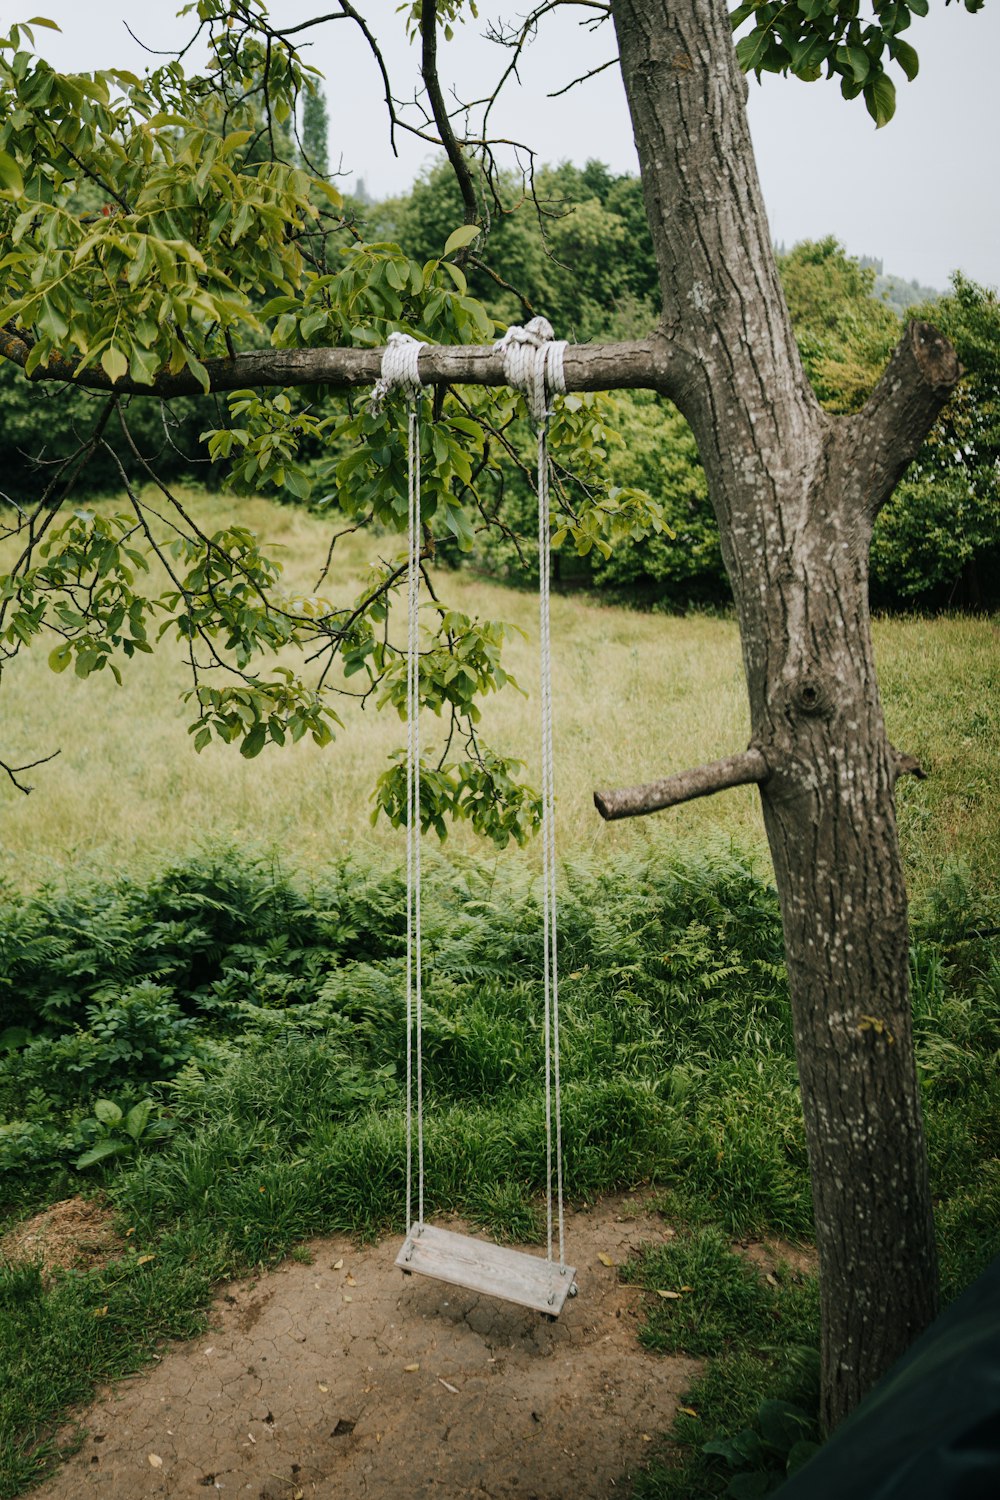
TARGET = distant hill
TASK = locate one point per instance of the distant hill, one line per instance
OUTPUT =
(899, 294)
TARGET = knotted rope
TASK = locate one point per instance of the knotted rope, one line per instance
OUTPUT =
(533, 364)
(399, 371)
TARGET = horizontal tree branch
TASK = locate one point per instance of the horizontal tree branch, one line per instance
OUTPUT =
(632, 801)
(902, 409)
(642, 363)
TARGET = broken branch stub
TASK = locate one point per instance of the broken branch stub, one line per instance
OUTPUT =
(634, 801)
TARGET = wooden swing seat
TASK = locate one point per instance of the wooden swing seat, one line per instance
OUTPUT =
(494, 1270)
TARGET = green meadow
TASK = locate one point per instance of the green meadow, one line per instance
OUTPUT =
(201, 961)
(637, 697)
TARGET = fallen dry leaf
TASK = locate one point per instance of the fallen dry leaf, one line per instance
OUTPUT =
(324, 1388)
(688, 1411)
(350, 1280)
(101, 1312)
(605, 1259)
(154, 1460)
(410, 1369)
(337, 1264)
(448, 1386)
(348, 1297)
(145, 1259)
(672, 1295)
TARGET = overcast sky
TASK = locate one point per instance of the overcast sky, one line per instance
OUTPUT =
(922, 193)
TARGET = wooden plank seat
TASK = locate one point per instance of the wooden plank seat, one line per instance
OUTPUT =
(494, 1270)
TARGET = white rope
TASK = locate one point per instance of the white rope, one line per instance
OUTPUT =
(400, 371)
(533, 364)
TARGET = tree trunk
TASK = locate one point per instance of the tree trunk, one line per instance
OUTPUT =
(796, 493)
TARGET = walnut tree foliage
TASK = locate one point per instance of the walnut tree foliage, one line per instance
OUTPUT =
(154, 224)
(812, 39)
(207, 240)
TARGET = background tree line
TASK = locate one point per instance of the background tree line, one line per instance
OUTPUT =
(578, 250)
(576, 247)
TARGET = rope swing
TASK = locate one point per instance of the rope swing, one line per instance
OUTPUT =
(533, 365)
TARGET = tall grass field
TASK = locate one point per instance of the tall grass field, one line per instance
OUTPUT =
(201, 971)
(637, 696)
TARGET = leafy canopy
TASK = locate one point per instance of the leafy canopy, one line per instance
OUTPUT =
(152, 224)
(808, 37)
(155, 223)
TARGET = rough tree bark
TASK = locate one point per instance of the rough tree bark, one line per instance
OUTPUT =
(796, 494)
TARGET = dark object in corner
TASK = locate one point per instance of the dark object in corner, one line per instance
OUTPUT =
(931, 1429)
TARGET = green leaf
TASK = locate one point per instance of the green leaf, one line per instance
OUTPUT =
(138, 1118)
(753, 52)
(457, 276)
(782, 1423)
(114, 364)
(742, 13)
(800, 1453)
(197, 370)
(880, 99)
(10, 175)
(254, 742)
(42, 21)
(459, 238)
(906, 56)
(145, 365)
(100, 1151)
(60, 657)
(107, 1112)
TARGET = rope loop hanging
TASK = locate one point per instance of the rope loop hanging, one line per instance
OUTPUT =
(400, 371)
(533, 365)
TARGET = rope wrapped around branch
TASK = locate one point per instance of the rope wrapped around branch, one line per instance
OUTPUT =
(533, 364)
(400, 371)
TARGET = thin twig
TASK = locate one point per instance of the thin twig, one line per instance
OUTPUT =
(15, 771)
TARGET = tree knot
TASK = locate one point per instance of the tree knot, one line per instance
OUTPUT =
(813, 695)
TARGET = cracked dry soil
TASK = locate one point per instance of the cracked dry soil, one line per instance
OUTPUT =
(345, 1378)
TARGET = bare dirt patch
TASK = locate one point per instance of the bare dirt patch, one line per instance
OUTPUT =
(345, 1378)
(76, 1234)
